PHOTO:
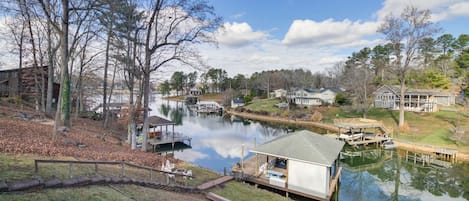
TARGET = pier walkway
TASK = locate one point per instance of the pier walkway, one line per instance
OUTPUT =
(215, 182)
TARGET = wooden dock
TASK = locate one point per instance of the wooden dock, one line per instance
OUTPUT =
(215, 182)
(442, 153)
(171, 139)
(367, 140)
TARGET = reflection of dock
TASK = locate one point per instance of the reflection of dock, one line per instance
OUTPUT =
(374, 158)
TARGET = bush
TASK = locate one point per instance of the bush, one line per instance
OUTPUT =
(342, 99)
(247, 98)
(316, 117)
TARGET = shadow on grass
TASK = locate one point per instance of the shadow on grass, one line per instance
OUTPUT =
(393, 116)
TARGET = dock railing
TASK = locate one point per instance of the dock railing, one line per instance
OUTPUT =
(110, 168)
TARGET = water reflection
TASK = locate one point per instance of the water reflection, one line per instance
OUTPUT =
(384, 175)
(216, 142)
(369, 174)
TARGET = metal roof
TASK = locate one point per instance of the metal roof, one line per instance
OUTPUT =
(157, 121)
(304, 146)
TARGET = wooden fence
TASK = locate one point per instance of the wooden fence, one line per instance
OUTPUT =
(122, 166)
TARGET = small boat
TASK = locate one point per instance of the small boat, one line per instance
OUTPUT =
(388, 144)
(348, 136)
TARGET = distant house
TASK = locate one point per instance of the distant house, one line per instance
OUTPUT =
(195, 92)
(280, 93)
(237, 102)
(314, 97)
(11, 85)
(303, 163)
(417, 100)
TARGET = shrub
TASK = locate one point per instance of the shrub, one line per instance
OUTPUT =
(316, 117)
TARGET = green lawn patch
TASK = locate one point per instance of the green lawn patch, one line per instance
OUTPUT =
(266, 105)
(243, 192)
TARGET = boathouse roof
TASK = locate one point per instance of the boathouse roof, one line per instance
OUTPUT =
(157, 121)
(303, 146)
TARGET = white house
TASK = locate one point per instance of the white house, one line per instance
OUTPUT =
(280, 93)
(302, 162)
(417, 100)
(314, 97)
(237, 102)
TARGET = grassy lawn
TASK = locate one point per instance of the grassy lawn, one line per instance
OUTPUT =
(19, 167)
(243, 192)
(424, 128)
(267, 105)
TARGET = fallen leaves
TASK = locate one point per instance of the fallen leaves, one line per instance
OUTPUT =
(28, 137)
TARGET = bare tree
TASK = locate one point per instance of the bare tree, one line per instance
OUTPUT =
(171, 28)
(405, 33)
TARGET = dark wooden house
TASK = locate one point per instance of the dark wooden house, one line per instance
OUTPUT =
(28, 82)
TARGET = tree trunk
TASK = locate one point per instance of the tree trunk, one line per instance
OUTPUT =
(20, 65)
(33, 44)
(64, 60)
(106, 65)
(401, 104)
(110, 93)
(50, 72)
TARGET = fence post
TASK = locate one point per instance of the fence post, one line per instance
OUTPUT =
(95, 168)
(70, 169)
(123, 168)
(36, 168)
(151, 174)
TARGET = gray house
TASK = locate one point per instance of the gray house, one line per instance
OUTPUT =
(416, 100)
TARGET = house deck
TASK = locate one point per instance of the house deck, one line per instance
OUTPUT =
(250, 174)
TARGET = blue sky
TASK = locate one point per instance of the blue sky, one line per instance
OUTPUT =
(311, 34)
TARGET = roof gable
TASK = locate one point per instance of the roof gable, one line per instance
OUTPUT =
(305, 146)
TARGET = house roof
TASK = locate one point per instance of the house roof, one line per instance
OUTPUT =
(396, 90)
(305, 146)
(157, 121)
(322, 90)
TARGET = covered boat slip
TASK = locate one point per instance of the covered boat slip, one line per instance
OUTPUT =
(302, 163)
(161, 135)
(360, 131)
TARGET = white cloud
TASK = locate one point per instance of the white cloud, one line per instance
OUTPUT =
(238, 15)
(237, 34)
(441, 9)
(271, 54)
(327, 32)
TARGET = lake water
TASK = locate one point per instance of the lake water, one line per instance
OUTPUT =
(373, 174)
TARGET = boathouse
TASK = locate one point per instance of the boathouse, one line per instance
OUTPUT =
(162, 136)
(302, 163)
